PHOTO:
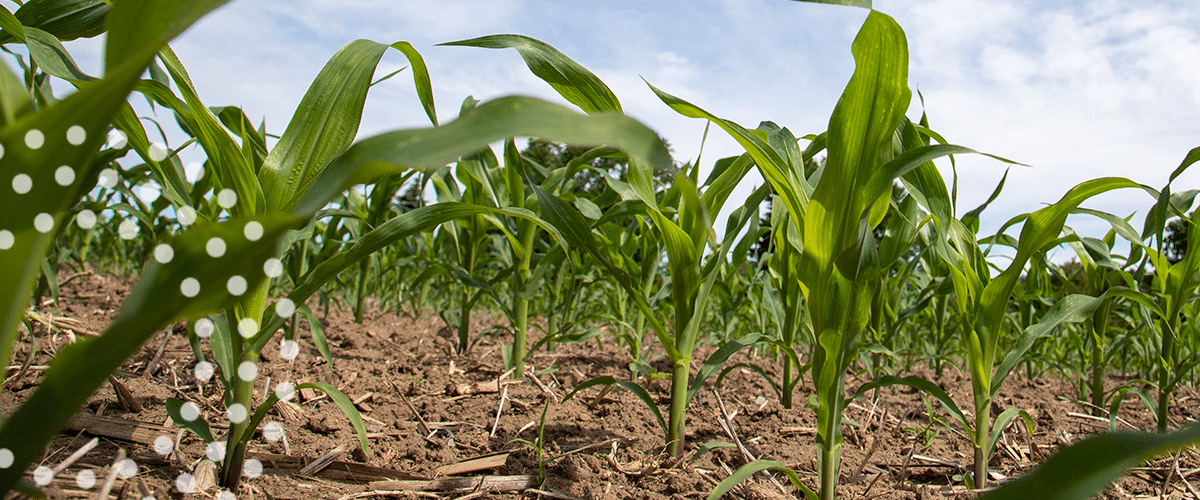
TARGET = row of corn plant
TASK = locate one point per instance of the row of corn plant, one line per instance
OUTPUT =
(196, 272)
(847, 247)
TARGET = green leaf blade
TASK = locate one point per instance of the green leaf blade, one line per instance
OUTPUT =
(571, 80)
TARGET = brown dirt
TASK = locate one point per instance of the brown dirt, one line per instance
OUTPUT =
(391, 355)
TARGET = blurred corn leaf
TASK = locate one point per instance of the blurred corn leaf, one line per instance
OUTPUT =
(49, 152)
(1085, 468)
(431, 148)
(64, 20)
(207, 268)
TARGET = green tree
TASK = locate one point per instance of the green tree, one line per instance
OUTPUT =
(1175, 240)
(589, 182)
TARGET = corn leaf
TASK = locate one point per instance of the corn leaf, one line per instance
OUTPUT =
(198, 425)
(1070, 309)
(53, 58)
(225, 159)
(744, 472)
(191, 283)
(394, 230)
(347, 406)
(65, 20)
(326, 121)
(50, 153)
(432, 148)
(637, 390)
(717, 360)
(1085, 468)
(925, 386)
(316, 330)
(571, 80)
(1040, 229)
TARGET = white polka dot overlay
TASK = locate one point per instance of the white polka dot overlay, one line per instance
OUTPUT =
(252, 468)
(186, 215)
(226, 495)
(34, 139)
(6, 458)
(190, 287)
(253, 230)
(204, 371)
(237, 413)
(86, 479)
(185, 483)
(247, 371)
(189, 411)
(128, 229)
(117, 139)
(227, 198)
(247, 327)
(76, 135)
(163, 445)
(285, 308)
(64, 176)
(273, 267)
(215, 451)
(43, 222)
(204, 328)
(215, 247)
(289, 349)
(86, 219)
(127, 469)
(164, 253)
(6, 239)
(43, 475)
(22, 183)
(236, 286)
(273, 431)
(285, 391)
(108, 178)
(158, 152)
(193, 167)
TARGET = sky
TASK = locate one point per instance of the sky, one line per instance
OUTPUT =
(1074, 89)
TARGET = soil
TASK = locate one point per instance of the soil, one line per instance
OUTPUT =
(395, 364)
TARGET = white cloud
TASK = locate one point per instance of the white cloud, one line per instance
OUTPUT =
(1078, 90)
(388, 20)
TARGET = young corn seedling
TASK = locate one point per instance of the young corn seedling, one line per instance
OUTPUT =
(982, 302)
(684, 239)
(324, 124)
(1101, 271)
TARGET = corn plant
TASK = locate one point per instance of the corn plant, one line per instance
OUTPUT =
(201, 258)
(1173, 286)
(1101, 270)
(325, 123)
(838, 267)
(684, 240)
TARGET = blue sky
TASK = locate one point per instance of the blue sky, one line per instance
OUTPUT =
(1077, 90)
